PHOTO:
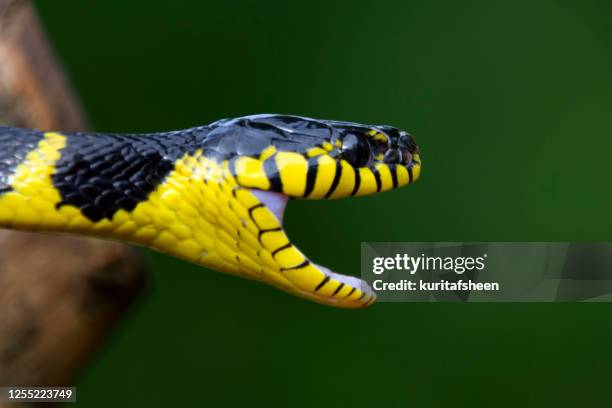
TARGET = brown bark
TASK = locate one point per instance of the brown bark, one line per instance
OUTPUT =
(59, 295)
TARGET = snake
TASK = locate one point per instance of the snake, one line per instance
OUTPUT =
(214, 195)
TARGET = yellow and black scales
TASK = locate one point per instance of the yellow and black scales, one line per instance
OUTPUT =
(192, 193)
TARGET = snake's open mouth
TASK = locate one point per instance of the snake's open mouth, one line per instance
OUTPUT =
(275, 157)
(329, 287)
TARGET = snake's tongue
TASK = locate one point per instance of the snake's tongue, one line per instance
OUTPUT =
(315, 281)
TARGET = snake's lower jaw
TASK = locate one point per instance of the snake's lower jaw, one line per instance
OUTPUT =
(366, 298)
(289, 269)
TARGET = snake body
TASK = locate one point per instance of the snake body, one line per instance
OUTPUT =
(205, 194)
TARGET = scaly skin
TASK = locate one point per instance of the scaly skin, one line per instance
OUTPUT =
(193, 193)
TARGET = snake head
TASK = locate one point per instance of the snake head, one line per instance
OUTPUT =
(267, 159)
(312, 159)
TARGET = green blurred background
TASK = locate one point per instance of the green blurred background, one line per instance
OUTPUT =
(511, 104)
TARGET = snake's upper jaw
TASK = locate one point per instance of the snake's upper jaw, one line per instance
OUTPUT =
(295, 273)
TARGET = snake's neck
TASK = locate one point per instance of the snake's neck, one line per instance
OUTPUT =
(96, 175)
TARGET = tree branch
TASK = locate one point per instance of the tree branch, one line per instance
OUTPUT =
(59, 295)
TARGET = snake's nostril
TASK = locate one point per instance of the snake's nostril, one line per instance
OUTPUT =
(407, 142)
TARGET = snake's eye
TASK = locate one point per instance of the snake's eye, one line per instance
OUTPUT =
(356, 150)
